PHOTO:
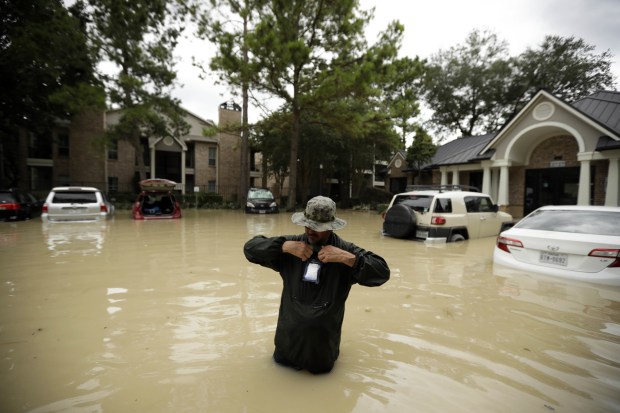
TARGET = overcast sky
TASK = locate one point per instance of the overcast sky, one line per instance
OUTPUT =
(432, 25)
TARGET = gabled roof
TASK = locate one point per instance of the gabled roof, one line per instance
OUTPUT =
(596, 110)
(400, 154)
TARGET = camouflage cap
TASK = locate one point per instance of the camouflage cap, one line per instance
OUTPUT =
(320, 215)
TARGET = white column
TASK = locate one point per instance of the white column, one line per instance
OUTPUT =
(153, 162)
(502, 198)
(612, 196)
(486, 178)
(183, 171)
(455, 177)
(583, 196)
(444, 176)
(494, 183)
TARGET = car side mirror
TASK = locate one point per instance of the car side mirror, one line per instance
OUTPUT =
(495, 208)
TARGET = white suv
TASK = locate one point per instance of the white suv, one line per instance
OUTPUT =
(76, 204)
(444, 212)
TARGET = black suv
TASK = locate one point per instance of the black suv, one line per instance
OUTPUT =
(16, 205)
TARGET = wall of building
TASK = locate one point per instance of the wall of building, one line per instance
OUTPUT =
(229, 155)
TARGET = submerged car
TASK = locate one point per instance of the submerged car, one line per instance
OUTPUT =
(17, 205)
(261, 201)
(575, 242)
(156, 200)
(444, 212)
(76, 203)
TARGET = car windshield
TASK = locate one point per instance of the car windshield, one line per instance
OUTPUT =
(579, 222)
(420, 203)
(260, 194)
(74, 197)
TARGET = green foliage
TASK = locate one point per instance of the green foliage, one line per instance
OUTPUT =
(476, 87)
(466, 85)
(138, 39)
(45, 65)
(402, 92)
(421, 150)
(566, 67)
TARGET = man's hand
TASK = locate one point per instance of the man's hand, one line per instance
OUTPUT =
(299, 249)
(329, 253)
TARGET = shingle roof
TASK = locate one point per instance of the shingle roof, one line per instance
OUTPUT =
(603, 107)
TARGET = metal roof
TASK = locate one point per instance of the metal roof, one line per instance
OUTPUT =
(603, 107)
(461, 150)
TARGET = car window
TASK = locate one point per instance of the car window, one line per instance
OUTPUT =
(580, 222)
(74, 197)
(443, 205)
(420, 203)
(478, 204)
(260, 194)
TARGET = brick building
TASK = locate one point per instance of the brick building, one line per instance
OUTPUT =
(75, 154)
(551, 152)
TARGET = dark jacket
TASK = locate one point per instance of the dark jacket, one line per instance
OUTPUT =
(311, 315)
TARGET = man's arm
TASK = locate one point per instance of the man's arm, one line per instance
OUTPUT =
(264, 251)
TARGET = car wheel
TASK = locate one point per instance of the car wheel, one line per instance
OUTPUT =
(400, 221)
(457, 238)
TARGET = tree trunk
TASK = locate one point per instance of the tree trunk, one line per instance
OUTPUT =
(245, 174)
(292, 178)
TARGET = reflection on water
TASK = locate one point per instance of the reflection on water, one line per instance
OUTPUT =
(80, 238)
(168, 316)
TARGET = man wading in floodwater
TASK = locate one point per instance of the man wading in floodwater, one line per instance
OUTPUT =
(317, 270)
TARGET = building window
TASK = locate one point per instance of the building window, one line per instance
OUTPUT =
(62, 140)
(112, 184)
(212, 156)
(39, 146)
(113, 150)
(211, 187)
(189, 156)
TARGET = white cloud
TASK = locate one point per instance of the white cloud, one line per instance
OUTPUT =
(440, 24)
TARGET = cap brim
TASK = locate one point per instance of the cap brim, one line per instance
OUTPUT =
(299, 218)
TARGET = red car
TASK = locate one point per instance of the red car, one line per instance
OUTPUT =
(156, 200)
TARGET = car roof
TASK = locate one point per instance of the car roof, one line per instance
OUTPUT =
(580, 208)
(75, 188)
(437, 192)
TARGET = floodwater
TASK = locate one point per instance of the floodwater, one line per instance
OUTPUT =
(168, 316)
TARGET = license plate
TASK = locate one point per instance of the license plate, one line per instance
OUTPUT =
(553, 258)
(421, 234)
(262, 212)
(2, 207)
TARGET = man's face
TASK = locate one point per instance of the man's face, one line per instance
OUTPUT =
(317, 238)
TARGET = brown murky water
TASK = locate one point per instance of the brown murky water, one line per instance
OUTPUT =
(169, 317)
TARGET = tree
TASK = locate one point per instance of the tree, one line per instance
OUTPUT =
(476, 87)
(566, 67)
(138, 38)
(422, 149)
(46, 71)
(312, 54)
(467, 85)
(232, 60)
(401, 95)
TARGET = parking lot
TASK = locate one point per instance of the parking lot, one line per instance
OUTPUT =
(168, 316)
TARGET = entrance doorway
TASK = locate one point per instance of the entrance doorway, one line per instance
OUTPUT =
(552, 186)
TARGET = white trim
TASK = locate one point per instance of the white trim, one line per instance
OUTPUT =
(575, 134)
(535, 100)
